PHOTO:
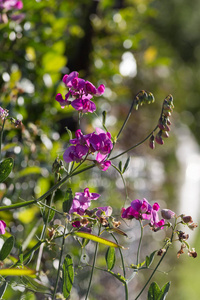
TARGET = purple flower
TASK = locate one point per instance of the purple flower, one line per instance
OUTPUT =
(82, 201)
(75, 153)
(101, 141)
(81, 92)
(2, 227)
(105, 210)
(167, 214)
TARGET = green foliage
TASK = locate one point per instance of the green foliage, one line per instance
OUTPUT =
(5, 168)
(110, 258)
(6, 248)
(68, 275)
(155, 293)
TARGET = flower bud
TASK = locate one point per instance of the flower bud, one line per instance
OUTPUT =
(152, 142)
(167, 214)
(158, 138)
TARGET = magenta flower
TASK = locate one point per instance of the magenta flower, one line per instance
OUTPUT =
(82, 201)
(101, 162)
(10, 4)
(80, 93)
(2, 227)
(99, 142)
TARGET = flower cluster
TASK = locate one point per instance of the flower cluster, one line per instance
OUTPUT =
(99, 142)
(142, 210)
(163, 123)
(80, 93)
(84, 218)
(3, 113)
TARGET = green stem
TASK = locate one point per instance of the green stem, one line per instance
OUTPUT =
(59, 265)
(93, 266)
(51, 190)
(1, 136)
(43, 233)
(140, 242)
(158, 264)
(122, 153)
(121, 255)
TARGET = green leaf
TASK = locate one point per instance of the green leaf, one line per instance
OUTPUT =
(67, 203)
(28, 171)
(155, 293)
(126, 164)
(110, 258)
(96, 239)
(120, 166)
(68, 275)
(3, 289)
(5, 168)
(104, 113)
(118, 276)
(7, 247)
(150, 258)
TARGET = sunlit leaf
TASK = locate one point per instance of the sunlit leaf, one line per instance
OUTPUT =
(5, 168)
(3, 289)
(67, 203)
(68, 275)
(150, 258)
(17, 272)
(110, 258)
(28, 171)
(6, 248)
(97, 239)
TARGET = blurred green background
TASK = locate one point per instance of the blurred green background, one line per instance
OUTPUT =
(128, 45)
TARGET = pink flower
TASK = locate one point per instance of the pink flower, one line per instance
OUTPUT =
(101, 162)
(75, 153)
(2, 227)
(3, 113)
(105, 210)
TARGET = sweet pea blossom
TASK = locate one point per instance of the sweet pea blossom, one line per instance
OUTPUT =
(142, 210)
(82, 201)
(2, 227)
(80, 93)
(99, 142)
(10, 4)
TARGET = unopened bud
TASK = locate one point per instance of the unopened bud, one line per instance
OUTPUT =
(167, 214)
(152, 142)
(158, 138)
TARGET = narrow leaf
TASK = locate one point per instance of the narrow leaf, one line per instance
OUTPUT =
(5, 168)
(153, 292)
(17, 272)
(67, 203)
(150, 258)
(120, 166)
(110, 258)
(96, 239)
(118, 276)
(68, 275)
(104, 113)
(164, 291)
(126, 164)
(6, 248)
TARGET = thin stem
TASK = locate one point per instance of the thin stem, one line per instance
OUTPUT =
(122, 153)
(1, 136)
(93, 266)
(59, 265)
(43, 234)
(124, 182)
(51, 190)
(158, 264)
(140, 242)
(121, 255)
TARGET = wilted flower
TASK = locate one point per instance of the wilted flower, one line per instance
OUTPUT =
(161, 252)
(192, 253)
(167, 214)
(181, 250)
